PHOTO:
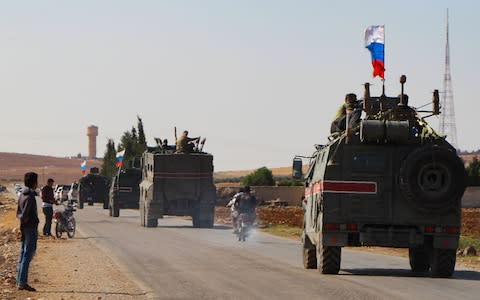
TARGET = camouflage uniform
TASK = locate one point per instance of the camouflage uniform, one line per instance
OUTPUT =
(184, 145)
(339, 122)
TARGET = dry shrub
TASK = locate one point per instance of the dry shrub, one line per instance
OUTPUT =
(471, 222)
(291, 216)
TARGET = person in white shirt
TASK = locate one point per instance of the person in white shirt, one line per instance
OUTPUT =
(234, 209)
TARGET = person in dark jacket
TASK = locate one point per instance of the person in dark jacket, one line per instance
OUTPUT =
(47, 206)
(247, 203)
(28, 216)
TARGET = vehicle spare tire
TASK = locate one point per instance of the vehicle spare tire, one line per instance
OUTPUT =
(433, 178)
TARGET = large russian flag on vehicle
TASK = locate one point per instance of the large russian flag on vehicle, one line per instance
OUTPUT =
(375, 42)
(120, 158)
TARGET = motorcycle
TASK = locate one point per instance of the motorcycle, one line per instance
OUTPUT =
(65, 221)
(244, 224)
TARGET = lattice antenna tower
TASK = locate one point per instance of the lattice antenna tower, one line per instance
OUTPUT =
(447, 125)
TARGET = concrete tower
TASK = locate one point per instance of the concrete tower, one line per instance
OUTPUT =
(92, 133)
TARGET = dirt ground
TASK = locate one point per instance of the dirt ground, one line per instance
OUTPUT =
(62, 268)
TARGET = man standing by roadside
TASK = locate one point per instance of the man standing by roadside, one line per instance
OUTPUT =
(47, 206)
(28, 216)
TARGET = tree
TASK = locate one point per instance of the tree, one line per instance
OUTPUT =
(260, 177)
(473, 168)
(128, 142)
(142, 141)
(109, 159)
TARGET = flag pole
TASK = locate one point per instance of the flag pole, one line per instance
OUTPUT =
(383, 79)
(118, 178)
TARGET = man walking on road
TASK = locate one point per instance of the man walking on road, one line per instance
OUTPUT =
(47, 206)
(27, 213)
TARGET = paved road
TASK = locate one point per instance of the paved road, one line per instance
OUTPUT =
(176, 261)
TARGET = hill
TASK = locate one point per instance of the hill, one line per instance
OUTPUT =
(66, 170)
(63, 170)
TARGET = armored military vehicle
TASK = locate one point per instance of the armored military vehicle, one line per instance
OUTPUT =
(390, 181)
(177, 184)
(93, 188)
(125, 190)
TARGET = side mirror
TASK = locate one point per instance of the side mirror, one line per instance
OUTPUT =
(436, 103)
(297, 168)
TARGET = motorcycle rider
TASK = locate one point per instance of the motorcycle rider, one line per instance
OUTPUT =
(246, 204)
(234, 209)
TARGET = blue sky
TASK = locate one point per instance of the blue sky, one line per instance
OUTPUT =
(260, 79)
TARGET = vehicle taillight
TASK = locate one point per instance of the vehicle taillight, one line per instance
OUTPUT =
(429, 229)
(451, 229)
(352, 227)
(331, 227)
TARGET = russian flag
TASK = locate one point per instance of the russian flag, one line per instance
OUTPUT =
(375, 42)
(83, 166)
(120, 158)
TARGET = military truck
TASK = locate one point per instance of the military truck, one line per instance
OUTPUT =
(390, 181)
(93, 188)
(177, 184)
(125, 190)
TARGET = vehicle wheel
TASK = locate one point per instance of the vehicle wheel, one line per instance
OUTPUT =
(240, 234)
(443, 262)
(433, 178)
(328, 259)
(309, 254)
(152, 222)
(196, 223)
(71, 228)
(58, 229)
(208, 223)
(142, 214)
(116, 211)
(419, 259)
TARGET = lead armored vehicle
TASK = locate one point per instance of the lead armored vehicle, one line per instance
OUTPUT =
(125, 190)
(390, 181)
(177, 184)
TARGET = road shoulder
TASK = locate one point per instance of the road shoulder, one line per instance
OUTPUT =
(62, 268)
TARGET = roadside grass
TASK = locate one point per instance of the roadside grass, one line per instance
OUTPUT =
(283, 231)
(466, 241)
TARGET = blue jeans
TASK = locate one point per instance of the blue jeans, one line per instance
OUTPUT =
(27, 251)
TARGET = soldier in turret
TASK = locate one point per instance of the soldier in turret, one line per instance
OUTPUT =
(185, 143)
(350, 108)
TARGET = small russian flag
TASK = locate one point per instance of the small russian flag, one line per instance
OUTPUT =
(83, 166)
(375, 42)
(120, 155)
